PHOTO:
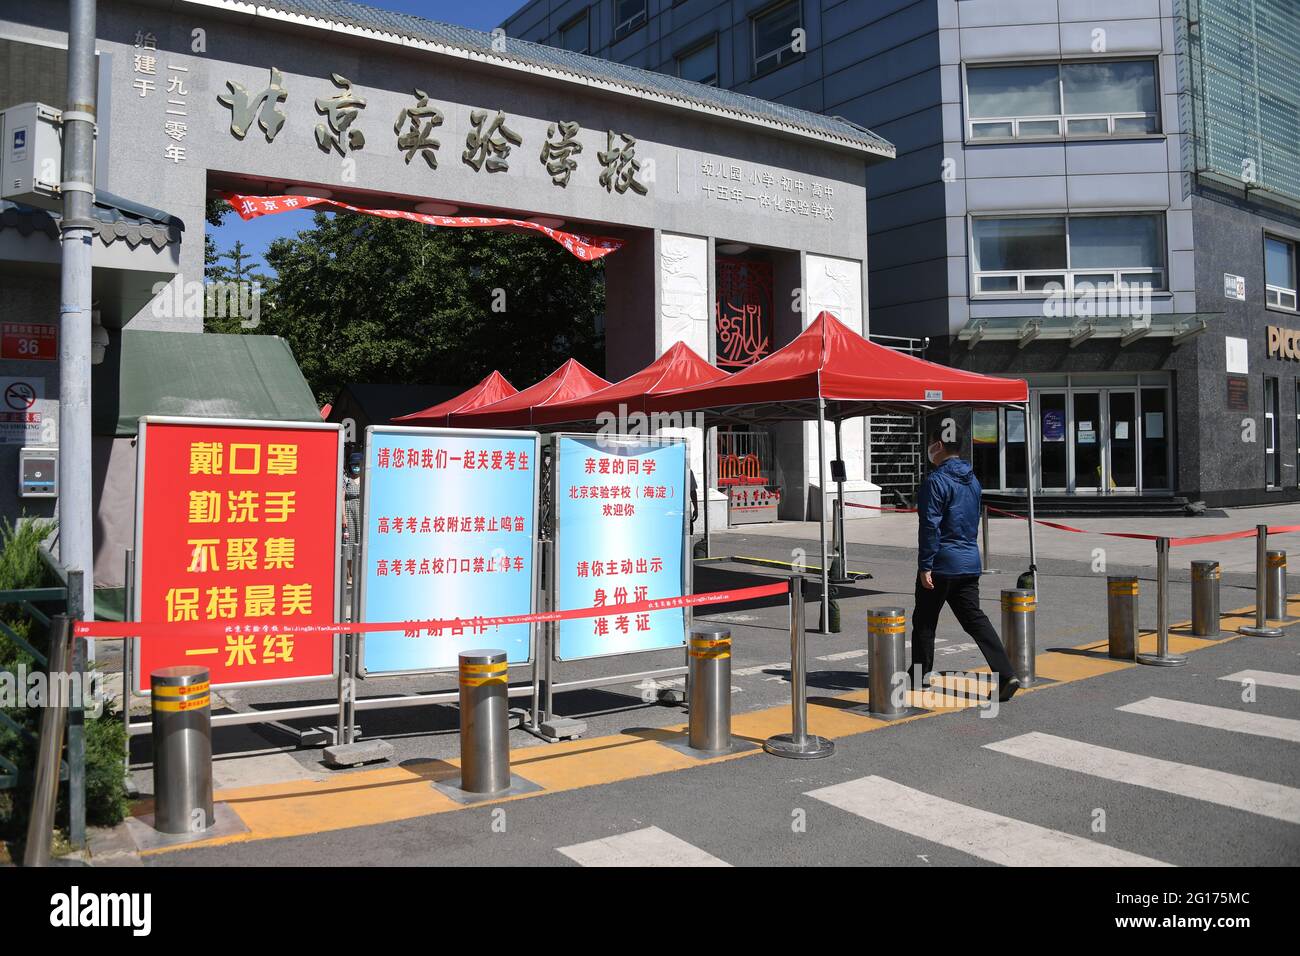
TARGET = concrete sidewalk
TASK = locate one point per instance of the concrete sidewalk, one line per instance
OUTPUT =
(1009, 537)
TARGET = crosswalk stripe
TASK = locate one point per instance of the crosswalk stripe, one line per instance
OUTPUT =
(1200, 783)
(649, 847)
(979, 833)
(1217, 718)
(1266, 679)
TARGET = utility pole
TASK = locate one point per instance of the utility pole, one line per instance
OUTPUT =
(76, 546)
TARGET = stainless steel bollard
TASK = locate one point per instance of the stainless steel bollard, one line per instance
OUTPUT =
(484, 722)
(1018, 607)
(1276, 589)
(710, 689)
(1261, 627)
(887, 661)
(1205, 598)
(1122, 616)
(182, 749)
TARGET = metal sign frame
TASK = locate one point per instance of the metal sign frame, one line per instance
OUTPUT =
(687, 565)
(138, 564)
(362, 561)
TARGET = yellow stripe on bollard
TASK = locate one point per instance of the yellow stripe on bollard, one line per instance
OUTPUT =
(173, 706)
(715, 655)
(480, 681)
(1278, 561)
(1123, 590)
(186, 691)
(702, 643)
(895, 629)
(500, 667)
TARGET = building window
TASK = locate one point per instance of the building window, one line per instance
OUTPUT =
(1041, 255)
(576, 34)
(1055, 100)
(1279, 274)
(774, 34)
(628, 15)
(700, 64)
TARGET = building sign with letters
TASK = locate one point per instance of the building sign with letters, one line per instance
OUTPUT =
(1283, 343)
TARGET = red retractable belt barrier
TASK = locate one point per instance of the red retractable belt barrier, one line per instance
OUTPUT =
(179, 629)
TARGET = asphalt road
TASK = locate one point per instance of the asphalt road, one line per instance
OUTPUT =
(1074, 779)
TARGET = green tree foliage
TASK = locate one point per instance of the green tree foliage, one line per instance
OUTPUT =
(363, 299)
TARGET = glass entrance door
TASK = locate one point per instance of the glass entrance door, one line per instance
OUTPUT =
(1088, 441)
(1123, 440)
(1053, 447)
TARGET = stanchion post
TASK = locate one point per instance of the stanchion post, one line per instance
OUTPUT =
(1261, 627)
(1206, 613)
(1162, 657)
(182, 749)
(54, 718)
(1018, 631)
(984, 541)
(798, 743)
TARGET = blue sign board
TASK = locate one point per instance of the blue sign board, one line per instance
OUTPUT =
(620, 537)
(450, 519)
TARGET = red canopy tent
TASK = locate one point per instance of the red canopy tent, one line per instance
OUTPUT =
(679, 367)
(828, 362)
(492, 389)
(570, 381)
(831, 372)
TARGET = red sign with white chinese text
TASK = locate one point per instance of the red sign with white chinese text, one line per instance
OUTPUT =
(33, 341)
(238, 524)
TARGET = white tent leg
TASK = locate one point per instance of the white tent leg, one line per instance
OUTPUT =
(822, 474)
(1029, 479)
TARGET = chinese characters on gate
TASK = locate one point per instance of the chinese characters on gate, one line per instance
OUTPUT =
(489, 140)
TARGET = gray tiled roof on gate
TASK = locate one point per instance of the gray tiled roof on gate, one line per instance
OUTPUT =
(832, 129)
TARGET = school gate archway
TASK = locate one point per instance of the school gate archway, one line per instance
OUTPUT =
(398, 112)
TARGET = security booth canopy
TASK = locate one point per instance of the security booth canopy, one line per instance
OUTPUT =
(678, 368)
(198, 376)
(571, 380)
(493, 388)
(829, 362)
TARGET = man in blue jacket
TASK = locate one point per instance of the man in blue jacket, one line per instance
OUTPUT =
(948, 509)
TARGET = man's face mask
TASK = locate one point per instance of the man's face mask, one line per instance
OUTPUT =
(935, 452)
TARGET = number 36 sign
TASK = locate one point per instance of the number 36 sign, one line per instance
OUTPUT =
(28, 340)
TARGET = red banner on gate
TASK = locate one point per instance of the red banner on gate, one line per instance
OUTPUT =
(237, 525)
(588, 248)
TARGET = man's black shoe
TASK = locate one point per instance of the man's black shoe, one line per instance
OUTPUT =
(1007, 689)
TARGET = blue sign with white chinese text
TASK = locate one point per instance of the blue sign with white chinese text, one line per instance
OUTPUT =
(620, 530)
(449, 533)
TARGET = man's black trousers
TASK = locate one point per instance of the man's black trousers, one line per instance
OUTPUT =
(962, 594)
